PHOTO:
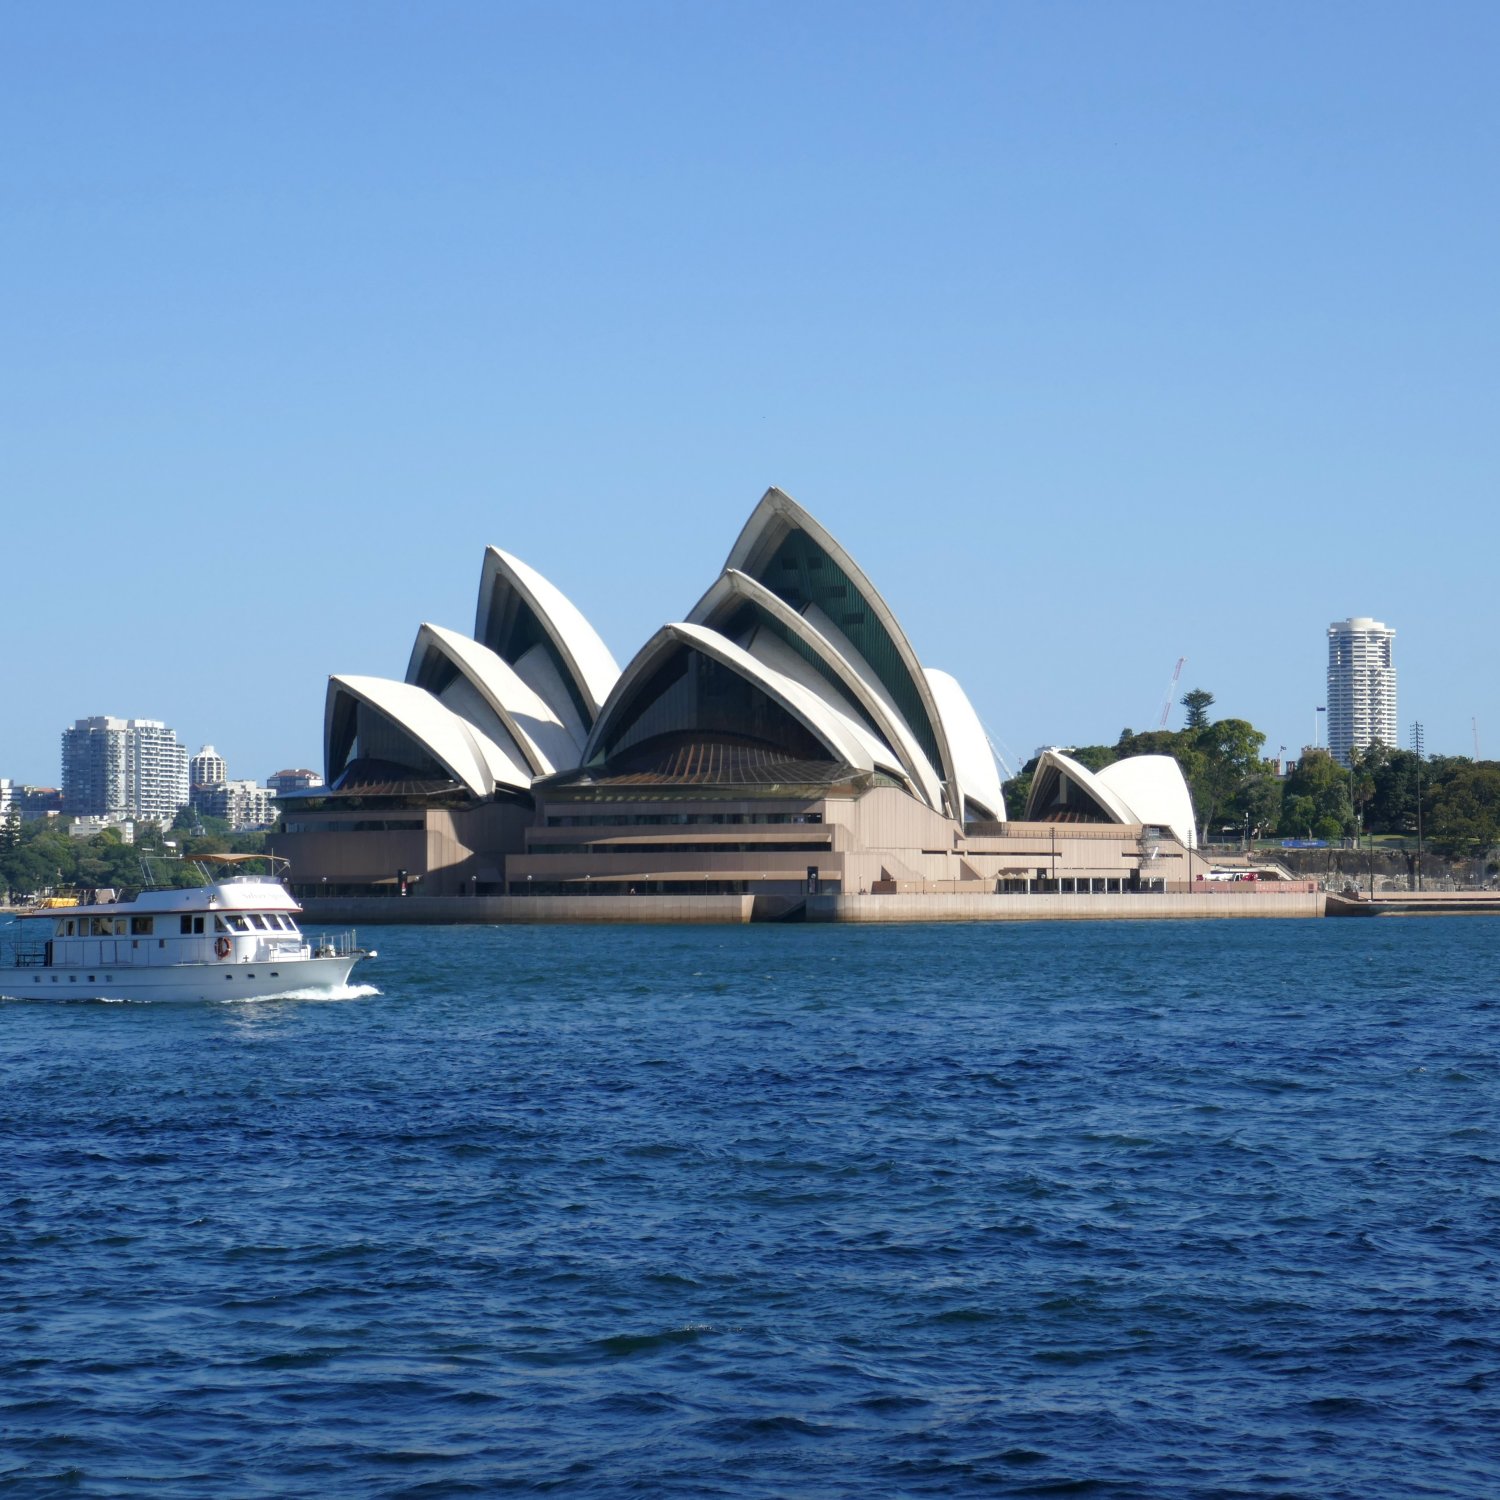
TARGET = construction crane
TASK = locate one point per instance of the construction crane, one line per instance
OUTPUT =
(1166, 703)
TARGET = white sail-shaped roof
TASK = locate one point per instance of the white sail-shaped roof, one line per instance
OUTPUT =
(830, 730)
(392, 719)
(838, 661)
(516, 604)
(1140, 789)
(1049, 783)
(540, 737)
(1156, 791)
(973, 760)
(776, 656)
(885, 648)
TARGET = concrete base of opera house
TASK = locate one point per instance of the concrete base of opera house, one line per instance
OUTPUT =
(1115, 907)
(831, 907)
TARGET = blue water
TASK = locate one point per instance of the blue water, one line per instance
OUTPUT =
(1187, 1210)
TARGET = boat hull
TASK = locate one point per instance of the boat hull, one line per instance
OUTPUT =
(216, 981)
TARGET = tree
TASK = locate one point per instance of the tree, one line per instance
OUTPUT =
(1230, 751)
(1298, 814)
(1257, 804)
(1385, 788)
(1094, 757)
(1317, 794)
(1463, 813)
(1197, 702)
(1016, 791)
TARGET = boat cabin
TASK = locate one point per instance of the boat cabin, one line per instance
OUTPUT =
(239, 921)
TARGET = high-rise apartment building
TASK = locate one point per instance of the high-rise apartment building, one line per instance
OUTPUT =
(1361, 686)
(124, 768)
(207, 768)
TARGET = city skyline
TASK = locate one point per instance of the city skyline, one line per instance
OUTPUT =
(1124, 337)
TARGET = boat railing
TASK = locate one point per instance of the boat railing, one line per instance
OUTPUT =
(29, 953)
(336, 944)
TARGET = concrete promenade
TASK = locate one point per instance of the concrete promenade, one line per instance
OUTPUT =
(1417, 904)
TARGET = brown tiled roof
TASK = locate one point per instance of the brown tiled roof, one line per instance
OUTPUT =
(713, 762)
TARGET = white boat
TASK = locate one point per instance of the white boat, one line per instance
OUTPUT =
(230, 939)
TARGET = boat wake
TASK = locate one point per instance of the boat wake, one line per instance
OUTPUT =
(308, 992)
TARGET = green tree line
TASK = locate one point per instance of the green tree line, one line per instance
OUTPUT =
(1236, 792)
(42, 855)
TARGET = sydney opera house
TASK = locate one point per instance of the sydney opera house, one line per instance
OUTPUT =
(782, 738)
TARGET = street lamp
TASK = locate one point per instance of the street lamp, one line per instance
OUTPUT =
(1416, 744)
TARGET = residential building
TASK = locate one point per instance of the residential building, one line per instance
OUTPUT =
(1361, 686)
(284, 783)
(242, 804)
(124, 768)
(36, 801)
(207, 768)
(85, 826)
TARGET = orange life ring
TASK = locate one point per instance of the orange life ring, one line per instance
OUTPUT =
(221, 947)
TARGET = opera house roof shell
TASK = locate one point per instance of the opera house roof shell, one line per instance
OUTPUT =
(791, 667)
(1144, 789)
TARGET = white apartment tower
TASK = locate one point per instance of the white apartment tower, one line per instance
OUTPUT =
(124, 768)
(207, 768)
(1361, 686)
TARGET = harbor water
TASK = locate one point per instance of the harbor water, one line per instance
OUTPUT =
(1154, 1210)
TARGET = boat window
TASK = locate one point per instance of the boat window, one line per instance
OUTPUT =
(257, 921)
(185, 924)
(65, 929)
(219, 924)
(239, 924)
(101, 927)
(119, 926)
(141, 926)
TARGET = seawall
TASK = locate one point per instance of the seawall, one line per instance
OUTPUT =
(358, 911)
(1082, 908)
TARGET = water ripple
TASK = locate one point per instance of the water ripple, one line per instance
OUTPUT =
(1207, 1210)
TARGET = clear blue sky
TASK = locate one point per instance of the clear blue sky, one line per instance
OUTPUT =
(1100, 334)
